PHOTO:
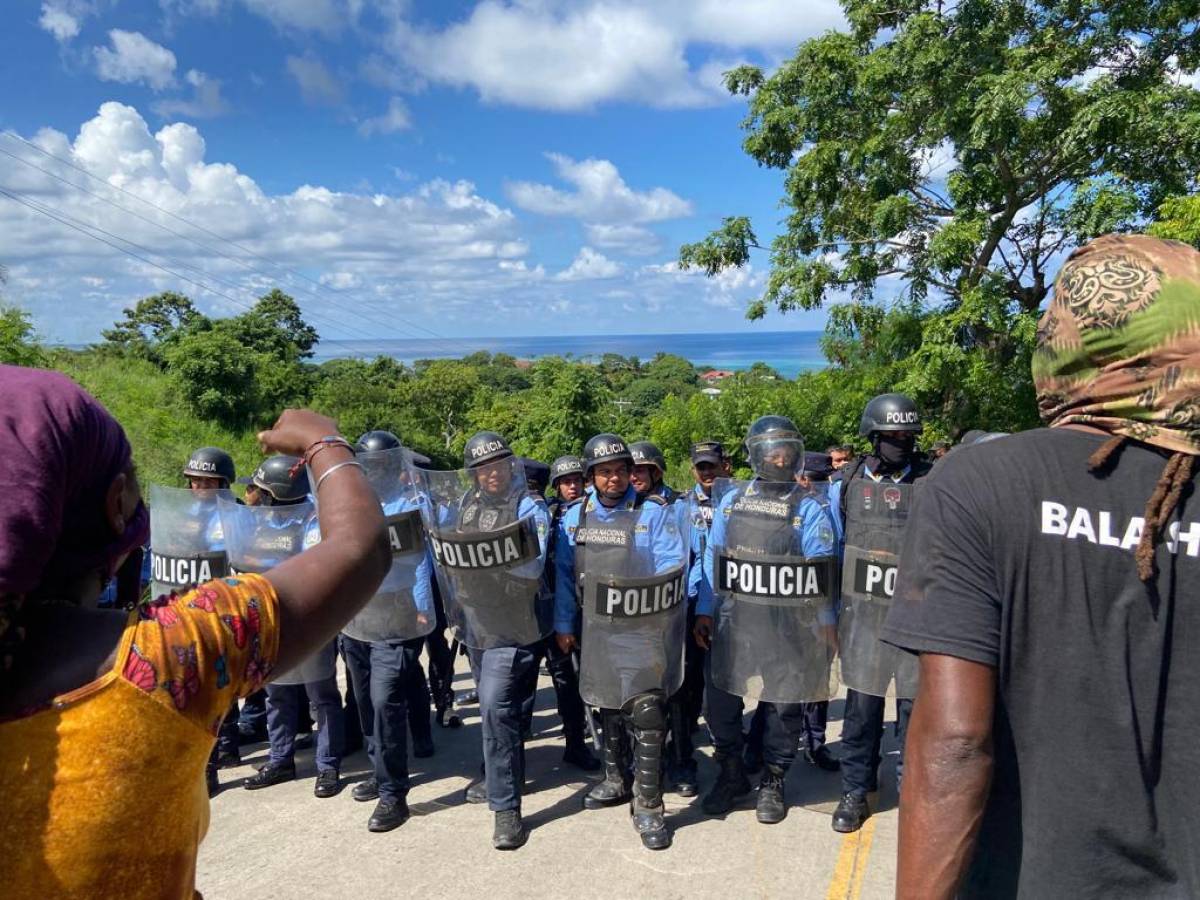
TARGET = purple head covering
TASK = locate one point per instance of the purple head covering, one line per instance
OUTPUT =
(59, 452)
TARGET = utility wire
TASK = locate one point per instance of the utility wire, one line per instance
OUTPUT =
(294, 273)
(85, 229)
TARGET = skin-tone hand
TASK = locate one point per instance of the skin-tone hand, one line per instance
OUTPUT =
(295, 431)
(702, 632)
(566, 642)
(947, 774)
(321, 589)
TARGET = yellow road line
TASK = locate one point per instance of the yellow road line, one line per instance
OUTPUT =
(851, 865)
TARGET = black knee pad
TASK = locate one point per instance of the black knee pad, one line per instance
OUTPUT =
(647, 711)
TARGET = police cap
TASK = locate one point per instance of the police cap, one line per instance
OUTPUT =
(707, 451)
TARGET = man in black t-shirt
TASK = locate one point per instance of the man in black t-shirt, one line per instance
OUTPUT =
(1051, 596)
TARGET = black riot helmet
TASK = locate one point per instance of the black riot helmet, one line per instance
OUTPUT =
(605, 447)
(564, 466)
(485, 447)
(374, 441)
(890, 413)
(537, 474)
(274, 476)
(647, 454)
(775, 448)
(211, 462)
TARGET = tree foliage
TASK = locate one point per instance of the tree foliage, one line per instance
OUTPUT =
(946, 157)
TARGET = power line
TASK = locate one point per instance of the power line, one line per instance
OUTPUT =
(447, 342)
(86, 229)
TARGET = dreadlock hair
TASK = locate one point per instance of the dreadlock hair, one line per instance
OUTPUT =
(1175, 476)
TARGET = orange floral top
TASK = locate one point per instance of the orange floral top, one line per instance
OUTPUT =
(103, 791)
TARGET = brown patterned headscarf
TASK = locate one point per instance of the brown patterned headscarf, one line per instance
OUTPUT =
(1119, 350)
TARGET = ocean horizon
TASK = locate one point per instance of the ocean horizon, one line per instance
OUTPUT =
(787, 352)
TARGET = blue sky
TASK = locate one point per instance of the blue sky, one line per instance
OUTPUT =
(504, 167)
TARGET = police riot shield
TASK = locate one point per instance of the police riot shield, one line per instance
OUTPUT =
(187, 544)
(486, 542)
(258, 538)
(631, 573)
(876, 516)
(773, 579)
(402, 608)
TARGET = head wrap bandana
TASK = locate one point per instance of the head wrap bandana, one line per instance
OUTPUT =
(1119, 345)
(59, 452)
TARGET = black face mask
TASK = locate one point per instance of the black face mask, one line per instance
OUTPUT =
(894, 451)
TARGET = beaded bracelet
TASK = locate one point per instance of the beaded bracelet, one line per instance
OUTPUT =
(334, 468)
(333, 440)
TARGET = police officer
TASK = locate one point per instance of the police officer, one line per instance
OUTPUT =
(608, 460)
(688, 702)
(385, 673)
(566, 477)
(501, 632)
(212, 469)
(274, 484)
(647, 473)
(560, 666)
(874, 498)
(772, 516)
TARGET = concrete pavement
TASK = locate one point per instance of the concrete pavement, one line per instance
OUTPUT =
(282, 842)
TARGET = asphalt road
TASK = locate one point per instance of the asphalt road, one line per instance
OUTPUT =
(282, 842)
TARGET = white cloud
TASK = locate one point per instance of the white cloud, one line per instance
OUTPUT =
(318, 86)
(600, 195)
(589, 265)
(575, 54)
(632, 239)
(58, 21)
(133, 57)
(430, 253)
(394, 118)
(324, 16)
(206, 101)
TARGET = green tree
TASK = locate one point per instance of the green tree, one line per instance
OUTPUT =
(148, 328)
(275, 326)
(1179, 219)
(216, 376)
(18, 340)
(953, 154)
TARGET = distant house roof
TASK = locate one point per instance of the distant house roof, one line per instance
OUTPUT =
(715, 375)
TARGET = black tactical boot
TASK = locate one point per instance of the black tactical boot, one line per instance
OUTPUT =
(648, 821)
(681, 765)
(649, 731)
(852, 811)
(366, 790)
(269, 774)
(822, 759)
(731, 785)
(771, 808)
(510, 831)
(614, 789)
(388, 814)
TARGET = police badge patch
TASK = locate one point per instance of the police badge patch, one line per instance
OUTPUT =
(488, 518)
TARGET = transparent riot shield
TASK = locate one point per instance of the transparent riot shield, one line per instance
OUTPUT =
(774, 579)
(487, 538)
(187, 544)
(631, 570)
(876, 516)
(402, 608)
(258, 538)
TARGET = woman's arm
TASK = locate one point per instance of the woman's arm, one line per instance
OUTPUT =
(321, 589)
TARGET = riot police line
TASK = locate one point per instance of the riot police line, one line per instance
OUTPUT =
(648, 605)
